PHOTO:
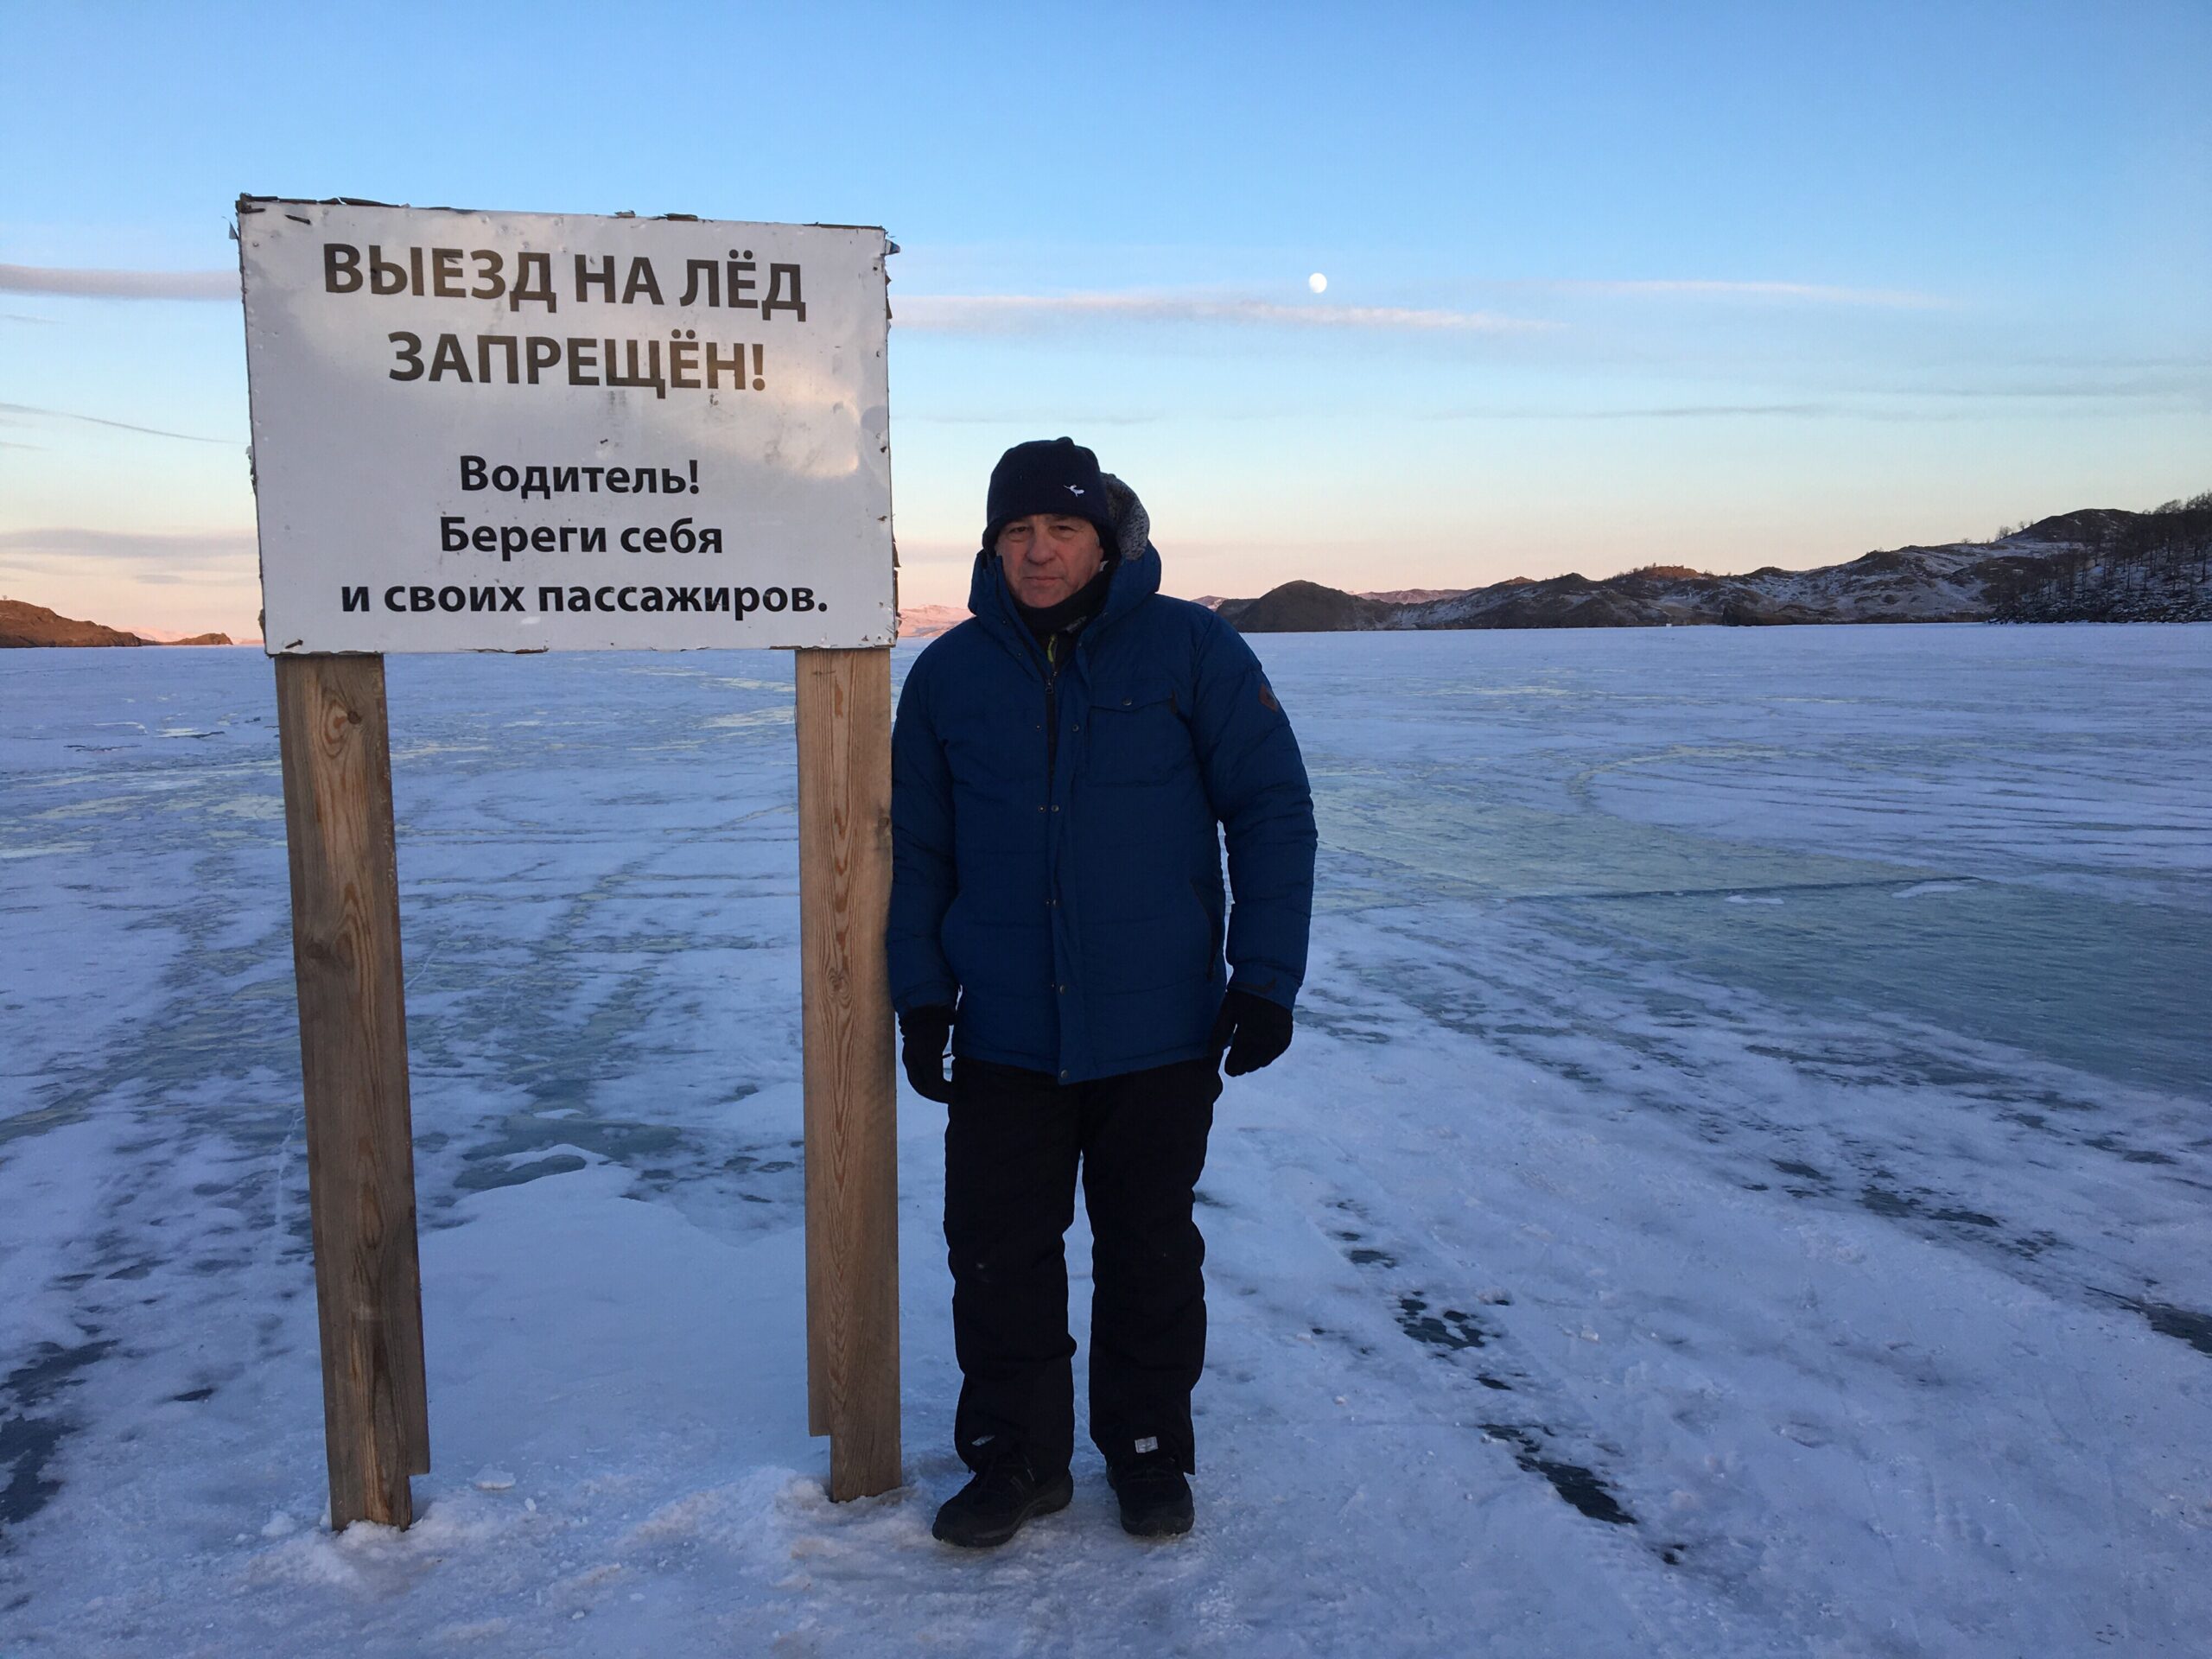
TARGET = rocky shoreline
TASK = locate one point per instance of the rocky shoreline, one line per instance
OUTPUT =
(23, 625)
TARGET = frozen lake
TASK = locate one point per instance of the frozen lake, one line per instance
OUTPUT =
(1740, 1186)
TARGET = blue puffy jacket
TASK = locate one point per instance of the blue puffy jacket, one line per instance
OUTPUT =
(1064, 888)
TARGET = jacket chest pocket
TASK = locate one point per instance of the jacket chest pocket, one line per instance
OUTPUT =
(1136, 735)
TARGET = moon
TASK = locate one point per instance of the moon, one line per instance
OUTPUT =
(1318, 282)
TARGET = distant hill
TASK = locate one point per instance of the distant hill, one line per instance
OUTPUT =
(1308, 607)
(2100, 564)
(171, 637)
(927, 621)
(1416, 595)
(34, 624)
(1392, 596)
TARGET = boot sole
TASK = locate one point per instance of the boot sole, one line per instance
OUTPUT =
(1166, 1527)
(1050, 1500)
(1154, 1526)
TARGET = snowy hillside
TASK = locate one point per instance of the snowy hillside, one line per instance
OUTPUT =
(2101, 565)
(927, 621)
(1738, 1189)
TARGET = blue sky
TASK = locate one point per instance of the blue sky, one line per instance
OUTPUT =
(1723, 285)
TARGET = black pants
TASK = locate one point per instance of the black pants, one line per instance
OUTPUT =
(1013, 1142)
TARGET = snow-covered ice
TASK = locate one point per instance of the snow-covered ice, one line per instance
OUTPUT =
(1739, 1187)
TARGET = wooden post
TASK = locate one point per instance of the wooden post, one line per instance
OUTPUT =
(852, 1131)
(337, 763)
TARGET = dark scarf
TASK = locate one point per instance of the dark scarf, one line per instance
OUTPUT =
(1072, 612)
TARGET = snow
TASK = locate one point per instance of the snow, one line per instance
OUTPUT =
(1739, 1187)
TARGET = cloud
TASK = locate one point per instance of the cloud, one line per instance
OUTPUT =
(176, 554)
(1032, 421)
(119, 284)
(1662, 412)
(193, 581)
(20, 316)
(1922, 405)
(983, 313)
(2178, 387)
(999, 313)
(120, 426)
(1818, 293)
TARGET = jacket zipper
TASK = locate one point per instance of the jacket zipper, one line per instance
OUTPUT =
(1051, 710)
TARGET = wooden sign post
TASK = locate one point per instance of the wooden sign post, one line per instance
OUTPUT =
(336, 751)
(843, 718)
(519, 432)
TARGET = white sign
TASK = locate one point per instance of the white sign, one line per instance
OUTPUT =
(529, 432)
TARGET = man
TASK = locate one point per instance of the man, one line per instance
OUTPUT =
(1063, 765)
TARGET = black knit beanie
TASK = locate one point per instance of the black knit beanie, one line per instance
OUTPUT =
(1055, 475)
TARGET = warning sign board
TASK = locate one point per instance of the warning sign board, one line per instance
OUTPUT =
(484, 431)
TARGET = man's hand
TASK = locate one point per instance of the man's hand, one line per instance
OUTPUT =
(923, 1034)
(1254, 1030)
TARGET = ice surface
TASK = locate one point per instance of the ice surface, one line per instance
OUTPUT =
(1739, 1186)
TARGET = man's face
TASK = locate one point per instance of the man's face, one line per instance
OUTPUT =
(1048, 556)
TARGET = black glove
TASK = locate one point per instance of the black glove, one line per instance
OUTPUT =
(1254, 1030)
(923, 1035)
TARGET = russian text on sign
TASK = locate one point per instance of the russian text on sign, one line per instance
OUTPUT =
(412, 368)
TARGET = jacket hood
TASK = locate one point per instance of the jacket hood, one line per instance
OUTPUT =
(1136, 579)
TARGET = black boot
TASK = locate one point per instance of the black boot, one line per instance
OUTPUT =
(1155, 1498)
(991, 1508)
